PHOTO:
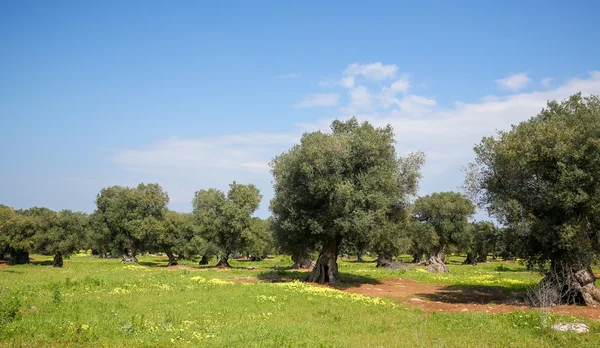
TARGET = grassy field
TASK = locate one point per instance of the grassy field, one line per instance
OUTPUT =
(94, 302)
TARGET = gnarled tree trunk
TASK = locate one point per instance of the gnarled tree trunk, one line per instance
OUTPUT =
(383, 260)
(470, 260)
(19, 257)
(58, 260)
(302, 260)
(203, 260)
(172, 258)
(417, 258)
(482, 257)
(435, 261)
(129, 255)
(565, 284)
(224, 261)
(103, 253)
(326, 270)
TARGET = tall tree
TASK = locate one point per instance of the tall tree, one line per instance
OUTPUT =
(540, 178)
(448, 214)
(335, 187)
(224, 219)
(132, 217)
(63, 235)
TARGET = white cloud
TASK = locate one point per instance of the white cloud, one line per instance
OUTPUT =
(360, 100)
(402, 85)
(546, 82)
(514, 82)
(347, 82)
(289, 76)
(324, 99)
(446, 134)
(373, 72)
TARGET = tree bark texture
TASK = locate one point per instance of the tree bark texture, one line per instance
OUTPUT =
(417, 258)
(383, 260)
(470, 260)
(302, 260)
(435, 261)
(203, 260)
(129, 255)
(569, 285)
(172, 258)
(58, 260)
(19, 257)
(326, 270)
(224, 261)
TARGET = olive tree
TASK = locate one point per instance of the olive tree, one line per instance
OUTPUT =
(225, 218)
(16, 236)
(336, 186)
(540, 178)
(63, 236)
(447, 213)
(130, 218)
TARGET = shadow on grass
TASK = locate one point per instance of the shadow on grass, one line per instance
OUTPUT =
(347, 280)
(42, 263)
(153, 263)
(478, 294)
(359, 261)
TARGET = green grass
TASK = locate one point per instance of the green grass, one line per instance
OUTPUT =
(94, 302)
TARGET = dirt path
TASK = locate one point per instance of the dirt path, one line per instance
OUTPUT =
(455, 298)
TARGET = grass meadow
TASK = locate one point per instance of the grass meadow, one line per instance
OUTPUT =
(95, 302)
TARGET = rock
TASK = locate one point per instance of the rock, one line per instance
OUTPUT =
(575, 327)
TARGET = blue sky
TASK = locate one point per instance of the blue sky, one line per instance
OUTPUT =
(195, 95)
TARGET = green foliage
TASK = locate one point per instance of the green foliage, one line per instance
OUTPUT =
(64, 233)
(447, 213)
(541, 179)
(224, 219)
(341, 187)
(129, 218)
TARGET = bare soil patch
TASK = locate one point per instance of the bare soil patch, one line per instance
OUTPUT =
(454, 298)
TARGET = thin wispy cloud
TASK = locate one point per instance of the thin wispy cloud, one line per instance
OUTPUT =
(546, 82)
(446, 133)
(374, 72)
(323, 99)
(289, 76)
(515, 82)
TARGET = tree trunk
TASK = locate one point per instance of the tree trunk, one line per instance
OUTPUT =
(103, 254)
(326, 270)
(204, 260)
(568, 285)
(482, 257)
(383, 260)
(1, 255)
(224, 261)
(302, 260)
(58, 260)
(470, 260)
(19, 257)
(417, 258)
(129, 256)
(172, 259)
(435, 261)
(359, 257)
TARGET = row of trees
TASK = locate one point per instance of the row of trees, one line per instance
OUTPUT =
(348, 190)
(128, 221)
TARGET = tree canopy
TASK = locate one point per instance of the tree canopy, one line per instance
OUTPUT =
(341, 185)
(448, 214)
(224, 219)
(540, 178)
